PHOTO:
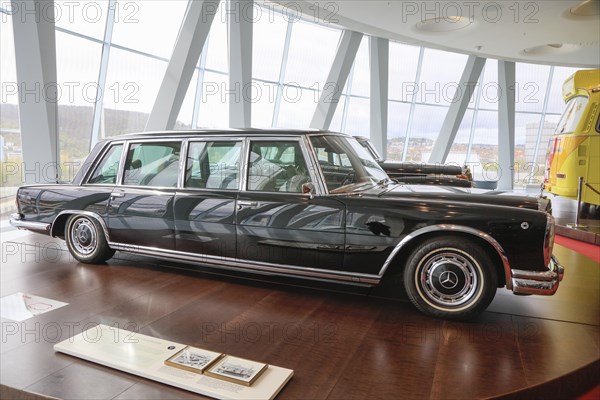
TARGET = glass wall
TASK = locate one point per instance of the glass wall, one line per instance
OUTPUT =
(291, 61)
(11, 157)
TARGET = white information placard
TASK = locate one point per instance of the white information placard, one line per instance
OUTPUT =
(145, 356)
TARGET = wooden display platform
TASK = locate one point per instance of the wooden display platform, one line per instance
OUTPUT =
(145, 356)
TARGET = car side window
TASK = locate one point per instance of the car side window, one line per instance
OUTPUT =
(152, 164)
(213, 165)
(277, 166)
(107, 169)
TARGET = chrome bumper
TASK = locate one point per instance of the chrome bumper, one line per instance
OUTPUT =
(17, 221)
(540, 283)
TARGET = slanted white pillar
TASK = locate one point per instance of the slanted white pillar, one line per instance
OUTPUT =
(98, 127)
(240, 17)
(506, 125)
(338, 74)
(379, 55)
(35, 52)
(192, 35)
(456, 112)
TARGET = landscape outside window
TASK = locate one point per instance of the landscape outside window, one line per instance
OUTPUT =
(283, 96)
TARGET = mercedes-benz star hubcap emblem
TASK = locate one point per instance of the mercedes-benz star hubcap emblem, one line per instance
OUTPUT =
(448, 279)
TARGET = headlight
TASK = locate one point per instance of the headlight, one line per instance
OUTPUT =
(549, 239)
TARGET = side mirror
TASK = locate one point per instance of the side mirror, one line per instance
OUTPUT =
(308, 188)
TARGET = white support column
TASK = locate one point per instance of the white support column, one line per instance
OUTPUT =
(35, 51)
(506, 125)
(186, 53)
(338, 74)
(456, 112)
(282, 68)
(240, 17)
(379, 54)
(97, 125)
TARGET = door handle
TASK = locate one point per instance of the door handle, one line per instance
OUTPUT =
(117, 194)
(242, 203)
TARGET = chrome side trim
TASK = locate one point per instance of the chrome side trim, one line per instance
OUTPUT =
(17, 221)
(452, 228)
(86, 213)
(250, 266)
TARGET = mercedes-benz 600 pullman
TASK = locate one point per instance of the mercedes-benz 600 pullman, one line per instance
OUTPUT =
(310, 204)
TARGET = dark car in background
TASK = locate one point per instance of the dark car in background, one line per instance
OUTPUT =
(307, 204)
(420, 173)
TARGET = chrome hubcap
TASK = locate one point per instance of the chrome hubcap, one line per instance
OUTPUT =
(449, 279)
(84, 237)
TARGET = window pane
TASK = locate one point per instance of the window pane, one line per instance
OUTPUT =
(216, 57)
(556, 103)
(439, 84)
(526, 135)
(345, 163)
(214, 105)
(269, 39)
(336, 122)
(152, 164)
(397, 124)
(213, 165)
(490, 88)
(277, 167)
(357, 120)
(78, 64)
(263, 104)
(10, 137)
(87, 17)
(361, 77)
(297, 107)
(184, 119)
(149, 26)
(484, 152)
(312, 49)
(131, 89)
(427, 122)
(403, 71)
(106, 171)
(531, 83)
(458, 151)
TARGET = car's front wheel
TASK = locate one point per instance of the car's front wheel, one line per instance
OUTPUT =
(450, 278)
(86, 241)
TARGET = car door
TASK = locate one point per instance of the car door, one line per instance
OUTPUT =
(276, 222)
(204, 208)
(140, 211)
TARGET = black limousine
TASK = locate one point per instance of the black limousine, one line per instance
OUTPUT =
(420, 173)
(307, 204)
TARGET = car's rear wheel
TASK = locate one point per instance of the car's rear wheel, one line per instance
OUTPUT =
(86, 241)
(450, 278)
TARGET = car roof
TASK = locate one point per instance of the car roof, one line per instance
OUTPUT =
(223, 132)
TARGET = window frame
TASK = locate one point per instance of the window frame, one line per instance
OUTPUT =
(304, 149)
(128, 145)
(184, 165)
(98, 160)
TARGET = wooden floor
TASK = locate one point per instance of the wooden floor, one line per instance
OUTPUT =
(340, 343)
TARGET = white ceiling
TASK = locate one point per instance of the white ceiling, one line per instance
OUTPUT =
(542, 31)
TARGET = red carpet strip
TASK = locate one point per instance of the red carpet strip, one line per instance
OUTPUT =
(588, 250)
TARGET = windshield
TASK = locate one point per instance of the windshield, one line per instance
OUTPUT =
(346, 165)
(572, 115)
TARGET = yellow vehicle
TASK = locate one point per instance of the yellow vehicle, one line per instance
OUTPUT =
(574, 150)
